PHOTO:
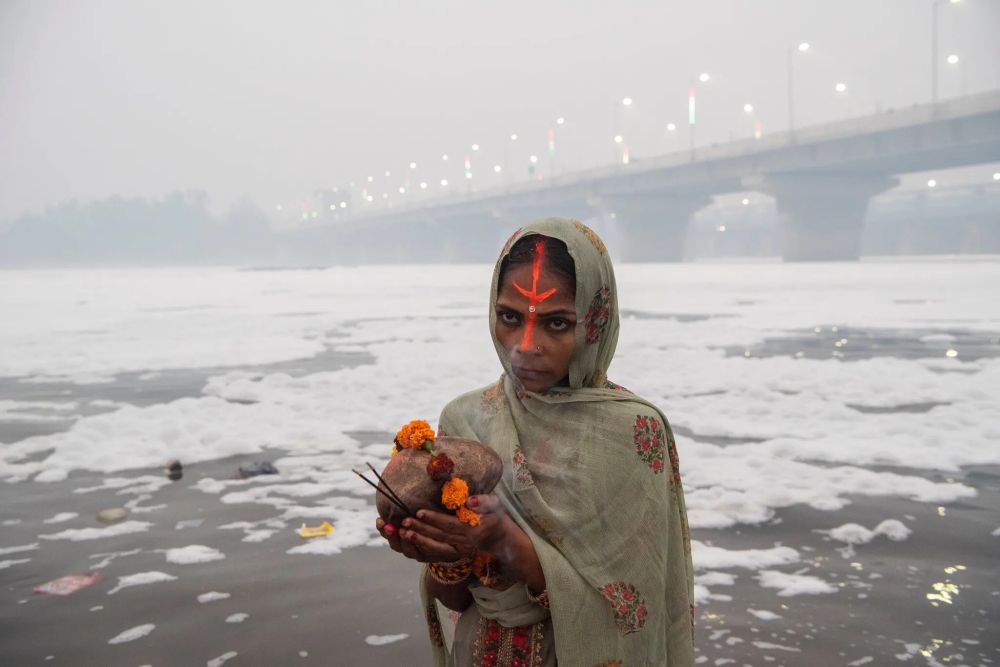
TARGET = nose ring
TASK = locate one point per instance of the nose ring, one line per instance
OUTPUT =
(538, 348)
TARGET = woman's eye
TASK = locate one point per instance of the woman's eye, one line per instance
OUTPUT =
(507, 317)
(558, 324)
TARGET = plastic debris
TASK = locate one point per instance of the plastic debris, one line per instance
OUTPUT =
(174, 470)
(188, 523)
(324, 528)
(112, 515)
(257, 468)
(68, 585)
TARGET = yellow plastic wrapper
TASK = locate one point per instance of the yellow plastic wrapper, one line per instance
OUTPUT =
(324, 528)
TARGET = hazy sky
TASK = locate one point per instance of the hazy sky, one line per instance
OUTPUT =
(276, 99)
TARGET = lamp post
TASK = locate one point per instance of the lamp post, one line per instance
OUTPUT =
(801, 48)
(934, 45)
(840, 89)
(626, 103)
(551, 138)
(704, 77)
(748, 109)
(513, 139)
(955, 61)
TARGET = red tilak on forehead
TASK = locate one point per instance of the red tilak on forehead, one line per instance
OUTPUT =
(534, 298)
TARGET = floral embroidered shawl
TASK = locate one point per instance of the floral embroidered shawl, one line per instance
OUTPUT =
(591, 474)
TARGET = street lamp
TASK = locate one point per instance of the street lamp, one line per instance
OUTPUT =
(749, 110)
(801, 48)
(626, 103)
(840, 89)
(934, 45)
(703, 78)
(955, 60)
(513, 138)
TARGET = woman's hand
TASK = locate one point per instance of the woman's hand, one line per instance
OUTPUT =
(443, 538)
(391, 535)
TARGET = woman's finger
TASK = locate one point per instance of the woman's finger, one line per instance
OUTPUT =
(432, 549)
(441, 521)
(412, 550)
(485, 504)
(428, 530)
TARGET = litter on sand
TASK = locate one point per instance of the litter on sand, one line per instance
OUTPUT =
(174, 470)
(257, 468)
(67, 585)
(324, 528)
(112, 515)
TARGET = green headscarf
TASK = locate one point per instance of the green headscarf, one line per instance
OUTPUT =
(591, 474)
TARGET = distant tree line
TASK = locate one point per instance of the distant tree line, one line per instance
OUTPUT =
(178, 228)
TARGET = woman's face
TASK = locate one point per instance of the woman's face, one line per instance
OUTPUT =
(539, 351)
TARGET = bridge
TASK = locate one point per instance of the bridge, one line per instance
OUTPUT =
(822, 179)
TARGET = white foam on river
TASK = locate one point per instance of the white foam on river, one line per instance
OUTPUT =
(141, 579)
(793, 437)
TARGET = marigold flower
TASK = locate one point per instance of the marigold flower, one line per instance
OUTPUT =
(440, 467)
(465, 515)
(482, 567)
(454, 493)
(415, 434)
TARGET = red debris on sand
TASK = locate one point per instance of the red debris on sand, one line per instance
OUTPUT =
(68, 585)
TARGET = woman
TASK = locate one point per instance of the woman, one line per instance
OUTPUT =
(588, 524)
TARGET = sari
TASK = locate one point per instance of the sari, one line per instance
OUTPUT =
(591, 474)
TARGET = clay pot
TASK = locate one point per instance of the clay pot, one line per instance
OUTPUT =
(406, 473)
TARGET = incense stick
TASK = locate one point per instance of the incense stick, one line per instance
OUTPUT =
(388, 488)
(391, 499)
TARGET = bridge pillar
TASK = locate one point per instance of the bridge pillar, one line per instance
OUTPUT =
(653, 228)
(822, 214)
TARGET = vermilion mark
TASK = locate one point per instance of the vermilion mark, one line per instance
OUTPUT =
(534, 298)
